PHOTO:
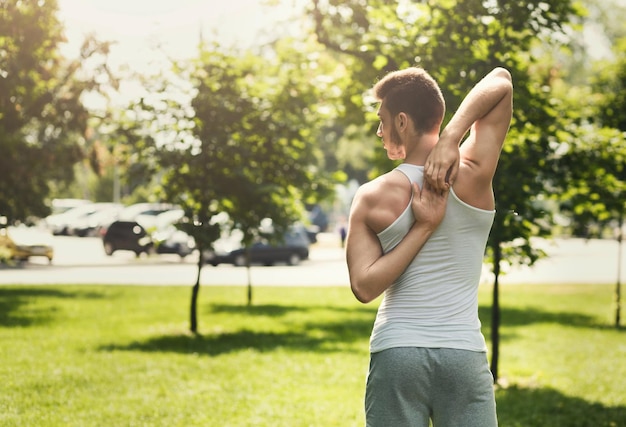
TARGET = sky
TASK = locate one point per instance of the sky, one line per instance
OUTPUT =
(176, 25)
(140, 25)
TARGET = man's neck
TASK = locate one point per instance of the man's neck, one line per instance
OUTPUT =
(419, 147)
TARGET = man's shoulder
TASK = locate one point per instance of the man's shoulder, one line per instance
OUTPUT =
(384, 189)
(380, 201)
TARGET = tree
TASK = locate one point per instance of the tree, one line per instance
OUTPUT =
(42, 119)
(458, 42)
(594, 195)
(245, 147)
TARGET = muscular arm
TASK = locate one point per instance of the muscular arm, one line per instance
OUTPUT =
(487, 111)
(372, 272)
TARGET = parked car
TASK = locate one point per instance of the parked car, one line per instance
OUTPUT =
(130, 213)
(62, 223)
(293, 249)
(20, 243)
(127, 236)
(62, 205)
(151, 234)
(147, 212)
(167, 238)
(89, 225)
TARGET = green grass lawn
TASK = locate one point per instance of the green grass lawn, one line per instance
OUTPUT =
(122, 356)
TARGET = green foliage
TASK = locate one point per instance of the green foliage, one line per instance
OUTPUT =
(591, 150)
(457, 42)
(252, 153)
(42, 119)
(594, 195)
(609, 80)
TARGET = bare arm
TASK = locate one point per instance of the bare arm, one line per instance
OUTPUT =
(487, 111)
(371, 271)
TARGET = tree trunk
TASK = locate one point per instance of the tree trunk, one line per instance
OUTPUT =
(249, 271)
(193, 315)
(618, 285)
(495, 313)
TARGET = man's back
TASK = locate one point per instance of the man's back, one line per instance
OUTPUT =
(433, 303)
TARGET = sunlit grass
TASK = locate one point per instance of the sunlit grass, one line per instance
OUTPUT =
(103, 356)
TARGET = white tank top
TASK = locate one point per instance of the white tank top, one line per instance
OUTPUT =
(434, 303)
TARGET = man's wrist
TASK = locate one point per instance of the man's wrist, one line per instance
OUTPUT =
(422, 228)
(452, 135)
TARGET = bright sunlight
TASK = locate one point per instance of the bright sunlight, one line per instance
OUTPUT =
(140, 26)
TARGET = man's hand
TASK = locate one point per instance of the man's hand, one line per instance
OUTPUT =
(442, 165)
(429, 205)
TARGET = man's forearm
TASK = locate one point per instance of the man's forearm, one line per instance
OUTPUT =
(478, 103)
(370, 282)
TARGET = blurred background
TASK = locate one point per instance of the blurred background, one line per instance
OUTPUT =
(229, 116)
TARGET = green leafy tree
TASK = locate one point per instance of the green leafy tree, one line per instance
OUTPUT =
(246, 145)
(593, 157)
(42, 119)
(596, 193)
(458, 42)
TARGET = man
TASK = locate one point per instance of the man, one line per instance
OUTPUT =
(418, 235)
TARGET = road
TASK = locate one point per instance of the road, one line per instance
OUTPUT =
(82, 261)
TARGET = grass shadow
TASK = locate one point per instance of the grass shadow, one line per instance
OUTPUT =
(17, 310)
(280, 310)
(302, 334)
(527, 316)
(546, 407)
(273, 310)
(223, 343)
(311, 334)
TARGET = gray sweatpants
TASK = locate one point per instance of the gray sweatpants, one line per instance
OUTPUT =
(408, 386)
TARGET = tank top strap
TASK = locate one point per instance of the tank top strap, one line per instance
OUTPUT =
(413, 172)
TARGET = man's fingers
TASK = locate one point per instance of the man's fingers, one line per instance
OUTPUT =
(437, 178)
(452, 174)
(429, 187)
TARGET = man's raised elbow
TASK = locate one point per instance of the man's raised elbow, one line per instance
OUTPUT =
(504, 78)
(503, 73)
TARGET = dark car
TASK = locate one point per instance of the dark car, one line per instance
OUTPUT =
(127, 236)
(149, 234)
(293, 249)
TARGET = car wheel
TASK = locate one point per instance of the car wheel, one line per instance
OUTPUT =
(108, 248)
(294, 259)
(240, 260)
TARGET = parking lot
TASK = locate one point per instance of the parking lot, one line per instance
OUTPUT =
(82, 260)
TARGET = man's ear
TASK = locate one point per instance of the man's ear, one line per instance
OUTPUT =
(402, 121)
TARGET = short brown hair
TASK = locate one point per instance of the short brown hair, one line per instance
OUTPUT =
(414, 92)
